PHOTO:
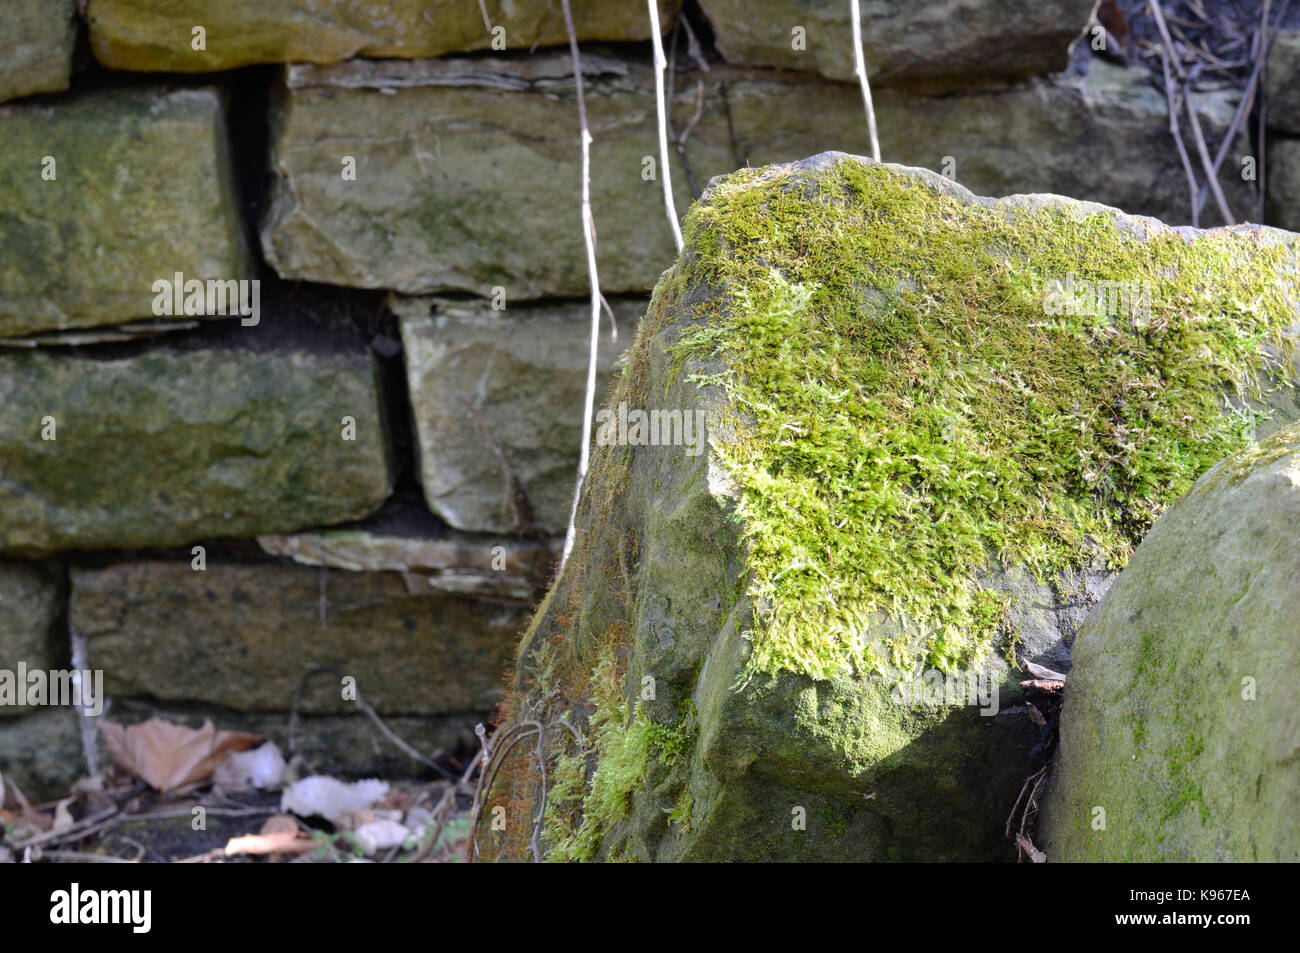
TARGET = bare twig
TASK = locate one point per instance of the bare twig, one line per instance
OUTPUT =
(1254, 86)
(665, 172)
(370, 713)
(860, 67)
(1211, 176)
(589, 237)
(1198, 136)
(1172, 100)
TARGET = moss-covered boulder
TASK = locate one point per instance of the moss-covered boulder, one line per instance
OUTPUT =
(1180, 738)
(230, 432)
(925, 410)
(158, 34)
(106, 193)
(242, 633)
(497, 400)
(467, 169)
(912, 40)
(36, 46)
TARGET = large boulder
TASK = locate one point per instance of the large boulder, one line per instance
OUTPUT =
(157, 34)
(232, 431)
(242, 633)
(497, 400)
(1180, 738)
(107, 192)
(467, 171)
(927, 413)
(36, 46)
(911, 40)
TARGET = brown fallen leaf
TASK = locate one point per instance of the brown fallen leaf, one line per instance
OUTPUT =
(167, 755)
(281, 842)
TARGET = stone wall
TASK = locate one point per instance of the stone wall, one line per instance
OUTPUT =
(368, 464)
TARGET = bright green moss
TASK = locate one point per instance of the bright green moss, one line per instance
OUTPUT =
(582, 812)
(907, 408)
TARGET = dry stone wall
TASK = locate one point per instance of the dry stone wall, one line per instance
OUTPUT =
(294, 329)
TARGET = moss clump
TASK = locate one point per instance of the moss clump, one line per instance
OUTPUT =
(581, 812)
(905, 406)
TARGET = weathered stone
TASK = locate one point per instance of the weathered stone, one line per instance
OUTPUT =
(142, 189)
(242, 635)
(1180, 717)
(496, 567)
(912, 40)
(1283, 83)
(230, 432)
(512, 382)
(36, 46)
(467, 172)
(895, 400)
(1283, 210)
(156, 34)
(31, 602)
(115, 334)
(41, 752)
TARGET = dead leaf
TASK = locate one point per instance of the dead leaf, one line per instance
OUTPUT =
(62, 816)
(330, 798)
(281, 842)
(261, 768)
(167, 755)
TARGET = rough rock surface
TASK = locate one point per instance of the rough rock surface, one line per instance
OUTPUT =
(457, 165)
(894, 395)
(1283, 208)
(142, 189)
(494, 567)
(1181, 720)
(242, 635)
(912, 40)
(1283, 83)
(31, 600)
(156, 34)
(218, 436)
(513, 381)
(36, 46)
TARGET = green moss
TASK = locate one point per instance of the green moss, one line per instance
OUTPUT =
(582, 811)
(907, 408)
